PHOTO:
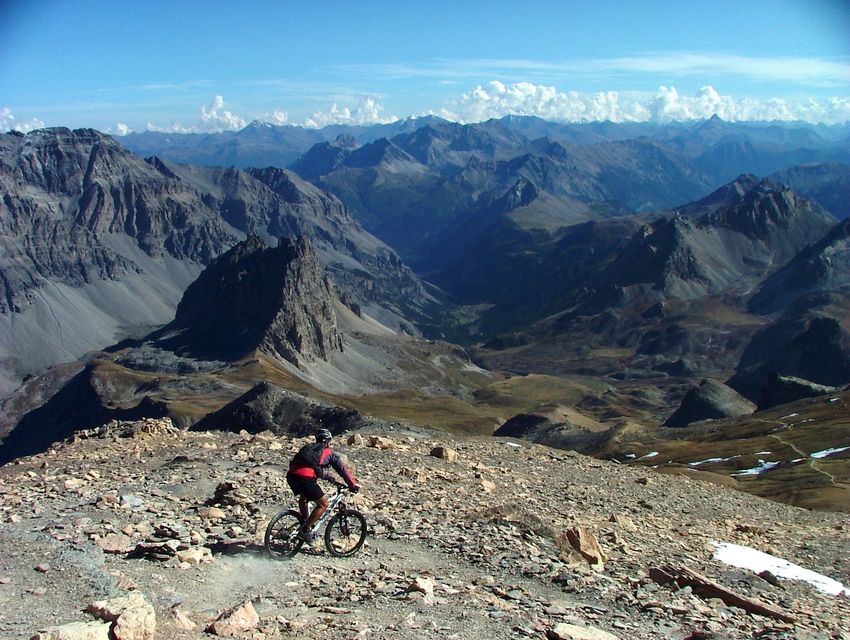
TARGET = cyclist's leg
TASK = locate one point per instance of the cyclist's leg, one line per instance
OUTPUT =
(306, 489)
(314, 492)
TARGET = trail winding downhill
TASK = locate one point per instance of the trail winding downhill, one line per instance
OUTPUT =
(811, 462)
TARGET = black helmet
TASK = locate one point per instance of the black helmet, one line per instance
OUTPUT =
(323, 435)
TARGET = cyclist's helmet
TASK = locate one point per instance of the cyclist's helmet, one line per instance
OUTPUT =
(323, 435)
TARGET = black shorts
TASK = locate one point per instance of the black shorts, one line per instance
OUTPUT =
(302, 485)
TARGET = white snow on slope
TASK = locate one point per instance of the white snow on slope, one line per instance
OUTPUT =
(757, 561)
(827, 452)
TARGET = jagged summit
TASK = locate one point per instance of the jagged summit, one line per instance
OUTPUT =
(523, 193)
(742, 231)
(763, 208)
(254, 297)
(382, 151)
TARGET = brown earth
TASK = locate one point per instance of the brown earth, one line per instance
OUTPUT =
(474, 548)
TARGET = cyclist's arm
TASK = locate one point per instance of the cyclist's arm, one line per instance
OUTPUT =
(341, 469)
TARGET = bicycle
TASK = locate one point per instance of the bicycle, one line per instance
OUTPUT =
(345, 532)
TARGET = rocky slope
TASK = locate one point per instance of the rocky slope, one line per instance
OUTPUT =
(98, 244)
(473, 544)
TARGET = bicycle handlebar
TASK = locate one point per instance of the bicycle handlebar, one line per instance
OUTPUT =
(337, 484)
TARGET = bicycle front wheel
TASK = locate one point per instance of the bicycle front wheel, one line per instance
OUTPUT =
(282, 539)
(345, 533)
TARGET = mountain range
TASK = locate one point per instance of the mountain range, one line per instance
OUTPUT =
(98, 244)
(605, 268)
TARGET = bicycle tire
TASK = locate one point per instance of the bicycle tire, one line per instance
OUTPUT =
(281, 540)
(345, 533)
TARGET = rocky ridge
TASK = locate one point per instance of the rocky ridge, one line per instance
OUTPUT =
(99, 244)
(475, 543)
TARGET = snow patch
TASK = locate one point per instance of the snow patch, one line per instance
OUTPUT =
(761, 468)
(651, 454)
(747, 558)
(827, 452)
(709, 460)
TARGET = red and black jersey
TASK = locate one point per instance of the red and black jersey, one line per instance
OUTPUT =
(329, 458)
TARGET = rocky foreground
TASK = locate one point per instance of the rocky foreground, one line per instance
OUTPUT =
(142, 531)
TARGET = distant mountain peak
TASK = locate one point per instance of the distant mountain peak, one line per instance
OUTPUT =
(754, 207)
(345, 141)
(522, 193)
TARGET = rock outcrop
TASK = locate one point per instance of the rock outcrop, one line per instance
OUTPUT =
(779, 389)
(711, 400)
(807, 346)
(254, 297)
(554, 426)
(267, 407)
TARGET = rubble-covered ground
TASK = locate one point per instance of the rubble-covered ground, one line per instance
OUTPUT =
(470, 545)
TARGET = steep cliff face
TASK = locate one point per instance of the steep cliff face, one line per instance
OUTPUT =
(254, 297)
(71, 197)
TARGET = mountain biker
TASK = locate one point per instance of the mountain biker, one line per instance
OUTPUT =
(303, 474)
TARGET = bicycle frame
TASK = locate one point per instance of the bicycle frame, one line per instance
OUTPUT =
(333, 501)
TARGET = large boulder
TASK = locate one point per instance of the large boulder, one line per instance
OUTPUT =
(267, 407)
(711, 400)
(555, 426)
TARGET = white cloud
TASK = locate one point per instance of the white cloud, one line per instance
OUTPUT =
(213, 119)
(174, 127)
(278, 116)
(367, 111)
(216, 118)
(9, 122)
(120, 129)
(498, 99)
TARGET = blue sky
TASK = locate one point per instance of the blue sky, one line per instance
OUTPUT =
(207, 66)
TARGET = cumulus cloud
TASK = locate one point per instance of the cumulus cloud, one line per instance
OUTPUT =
(367, 111)
(278, 116)
(497, 99)
(213, 119)
(217, 118)
(8, 122)
(120, 129)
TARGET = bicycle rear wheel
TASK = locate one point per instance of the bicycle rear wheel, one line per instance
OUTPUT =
(345, 533)
(282, 539)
